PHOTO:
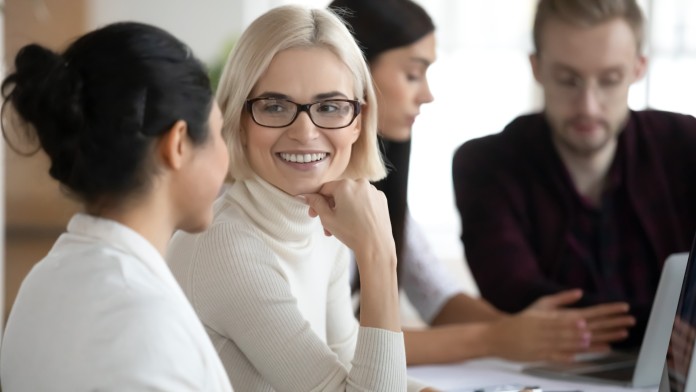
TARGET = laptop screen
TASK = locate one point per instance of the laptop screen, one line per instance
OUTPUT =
(681, 342)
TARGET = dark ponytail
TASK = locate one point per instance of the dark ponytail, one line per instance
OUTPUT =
(98, 108)
(379, 26)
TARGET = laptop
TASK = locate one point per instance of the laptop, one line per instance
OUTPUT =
(680, 366)
(645, 368)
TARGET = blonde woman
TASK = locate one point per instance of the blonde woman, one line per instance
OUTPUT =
(270, 280)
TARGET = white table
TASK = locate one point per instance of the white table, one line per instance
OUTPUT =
(476, 374)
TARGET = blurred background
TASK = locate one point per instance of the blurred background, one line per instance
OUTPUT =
(481, 81)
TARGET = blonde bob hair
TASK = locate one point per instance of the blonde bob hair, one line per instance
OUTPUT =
(287, 27)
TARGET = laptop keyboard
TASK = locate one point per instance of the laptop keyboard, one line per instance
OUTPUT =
(618, 374)
(613, 360)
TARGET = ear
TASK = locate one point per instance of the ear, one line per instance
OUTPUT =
(173, 146)
(534, 62)
(355, 133)
(641, 68)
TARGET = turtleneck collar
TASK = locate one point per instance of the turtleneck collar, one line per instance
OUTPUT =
(277, 213)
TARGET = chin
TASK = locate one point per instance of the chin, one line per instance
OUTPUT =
(197, 225)
(398, 136)
(302, 191)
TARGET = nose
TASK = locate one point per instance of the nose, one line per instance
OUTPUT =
(424, 94)
(589, 100)
(302, 129)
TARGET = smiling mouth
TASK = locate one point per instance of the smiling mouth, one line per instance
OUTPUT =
(303, 158)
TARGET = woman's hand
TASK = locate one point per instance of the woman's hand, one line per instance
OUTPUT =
(535, 335)
(546, 330)
(608, 323)
(356, 213)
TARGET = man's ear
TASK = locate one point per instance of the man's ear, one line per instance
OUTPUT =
(641, 67)
(534, 62)
(173, 145)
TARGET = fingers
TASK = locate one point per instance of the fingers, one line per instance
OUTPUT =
(569, 335)
(604, 310)
(557, 300)
(356, 213)
(611, 322)
(609, 336)
(608, 322)
(561, 333)
(318, 204)
(543, 336)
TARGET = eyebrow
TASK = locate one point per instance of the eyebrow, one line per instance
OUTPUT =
(421, 60)
(318, 97)
(566, 68)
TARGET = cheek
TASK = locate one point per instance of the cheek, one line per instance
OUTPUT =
(258, 141)
(224, 159)
(343, 144)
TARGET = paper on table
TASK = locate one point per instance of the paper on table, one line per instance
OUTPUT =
(485, 373)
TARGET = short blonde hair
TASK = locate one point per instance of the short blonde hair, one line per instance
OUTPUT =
(588, 13)
(287, 27)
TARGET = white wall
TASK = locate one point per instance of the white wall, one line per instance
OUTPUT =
(204, 25)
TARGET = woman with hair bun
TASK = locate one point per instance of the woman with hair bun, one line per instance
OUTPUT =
(126, 116)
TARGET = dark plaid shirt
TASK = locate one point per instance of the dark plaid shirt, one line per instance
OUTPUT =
(527, 232)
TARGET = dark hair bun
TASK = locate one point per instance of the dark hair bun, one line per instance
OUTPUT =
(45, 93)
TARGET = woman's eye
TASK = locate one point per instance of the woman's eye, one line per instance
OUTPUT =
(273, 108)
(327, 107)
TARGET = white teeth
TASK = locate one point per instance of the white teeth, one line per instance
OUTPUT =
(302, 158)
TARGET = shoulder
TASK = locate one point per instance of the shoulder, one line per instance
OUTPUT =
(663, 122)
(123, 330)
(502, 147)
(662, 133)
(90, 271)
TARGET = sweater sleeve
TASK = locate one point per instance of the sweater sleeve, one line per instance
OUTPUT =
(242, 293)
(341, 324)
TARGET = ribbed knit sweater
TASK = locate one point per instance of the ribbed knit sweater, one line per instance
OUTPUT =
(273, 293)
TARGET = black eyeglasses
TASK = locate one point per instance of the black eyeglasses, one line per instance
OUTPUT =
(280, 113)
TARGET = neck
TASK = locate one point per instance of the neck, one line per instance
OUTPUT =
(588, 171)
(146, 217)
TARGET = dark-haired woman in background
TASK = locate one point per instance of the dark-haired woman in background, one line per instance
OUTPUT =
(398, 40)
(127, 119)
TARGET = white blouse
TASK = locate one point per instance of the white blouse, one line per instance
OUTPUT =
(102, 312)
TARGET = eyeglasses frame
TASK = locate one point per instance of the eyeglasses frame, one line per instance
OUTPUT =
(357, 106)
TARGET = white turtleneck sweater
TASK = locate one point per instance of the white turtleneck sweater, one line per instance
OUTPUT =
(273, 293)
